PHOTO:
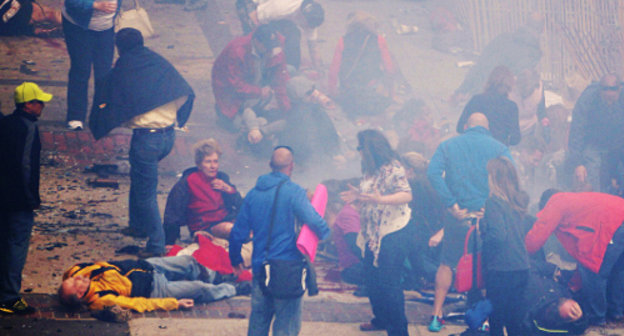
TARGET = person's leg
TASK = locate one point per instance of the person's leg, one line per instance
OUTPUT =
(287, 317)
(391, 260)
(180, 268)
(146, 150)
(593, 295)
(15, 230)
(103, 52)
(222, 230)
(443, 280)
(495, 287)
(79, 46)
(515, 300)
(197, 290)
(262, 311)
(612, 268)
(371, 280)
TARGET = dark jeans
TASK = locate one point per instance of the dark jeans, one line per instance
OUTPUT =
(384, 281)
(146, 150)
(15, 230)
(603, 293)
(86, 48)
(506, 292)
(285, 314)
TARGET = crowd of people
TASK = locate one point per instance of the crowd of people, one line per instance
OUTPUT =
(418, 201)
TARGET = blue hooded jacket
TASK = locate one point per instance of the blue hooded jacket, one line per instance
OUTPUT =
(255, 215)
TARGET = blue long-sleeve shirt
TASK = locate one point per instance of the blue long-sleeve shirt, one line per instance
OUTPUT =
(457, 170)
(255, 215)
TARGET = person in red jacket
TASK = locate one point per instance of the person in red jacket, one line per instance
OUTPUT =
(589, 226)
(246, 76)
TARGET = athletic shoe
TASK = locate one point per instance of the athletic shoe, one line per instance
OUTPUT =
(436, 324)
(19, 307)
(75, 125)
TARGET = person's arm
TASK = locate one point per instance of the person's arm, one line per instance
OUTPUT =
(578, 128)
(278, 83)
(334, 69)
(239, 235)
(435, 172)
(175, 211)
(306, 214)
(547, 221)
(401, 197)
(140, 304)
(493, 224)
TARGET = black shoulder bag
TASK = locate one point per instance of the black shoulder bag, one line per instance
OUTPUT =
(282, 279)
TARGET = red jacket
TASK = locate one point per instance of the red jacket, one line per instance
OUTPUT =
(233, 75)
(583, 222)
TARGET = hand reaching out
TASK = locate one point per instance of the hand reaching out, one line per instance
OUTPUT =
(185, 303)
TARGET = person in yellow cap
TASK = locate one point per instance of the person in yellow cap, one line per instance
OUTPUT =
(19, 191)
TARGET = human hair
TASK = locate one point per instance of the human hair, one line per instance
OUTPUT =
(375, 149)
(500, 81)
(313, 13)
(70, 302)
(127, 39)
(205, 148)
(266, 35)
(503, 182)
(546, 195)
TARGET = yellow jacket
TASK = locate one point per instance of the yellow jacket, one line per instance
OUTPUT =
(110, 285)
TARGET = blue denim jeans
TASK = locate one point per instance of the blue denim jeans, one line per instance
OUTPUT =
(86, 48)
(15, 231)
(178, 277)
(287, 314)
(146, 150)
(603, 293)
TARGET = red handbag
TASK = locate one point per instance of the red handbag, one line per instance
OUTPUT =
(464, 273)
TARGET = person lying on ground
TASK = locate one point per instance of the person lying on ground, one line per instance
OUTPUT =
(28, 17)
(166, 283)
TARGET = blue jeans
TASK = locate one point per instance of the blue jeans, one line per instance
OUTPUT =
(86, 48)
(178, 277)
(15, 231)
(287, 314)
(146, 150)
(603, 293)
(383, 282)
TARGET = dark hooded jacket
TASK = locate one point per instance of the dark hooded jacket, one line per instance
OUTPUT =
(140, 81)
(20, 149)
(177, 205)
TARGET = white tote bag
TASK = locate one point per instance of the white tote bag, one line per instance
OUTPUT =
(136, 18)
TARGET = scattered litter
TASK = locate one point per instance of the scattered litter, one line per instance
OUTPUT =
(236, 315)
(51, 246)
(464, 64)
(103, 183)
(26, 70)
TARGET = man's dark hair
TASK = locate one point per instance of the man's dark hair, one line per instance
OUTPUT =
(375, 149)
(128, 38)
(267, 36)
(546, 195)
(313, 13)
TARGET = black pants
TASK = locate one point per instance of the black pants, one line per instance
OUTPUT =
(506, 292)
(292, 41)
(384, 281)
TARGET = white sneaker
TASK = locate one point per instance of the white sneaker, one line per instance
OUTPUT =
(75, 125)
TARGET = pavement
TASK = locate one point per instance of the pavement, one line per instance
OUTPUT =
(191, 41)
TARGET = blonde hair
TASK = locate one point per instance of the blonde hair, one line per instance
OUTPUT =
(205, 148)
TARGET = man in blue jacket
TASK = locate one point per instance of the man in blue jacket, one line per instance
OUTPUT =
(255, 215)
(458, 173)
